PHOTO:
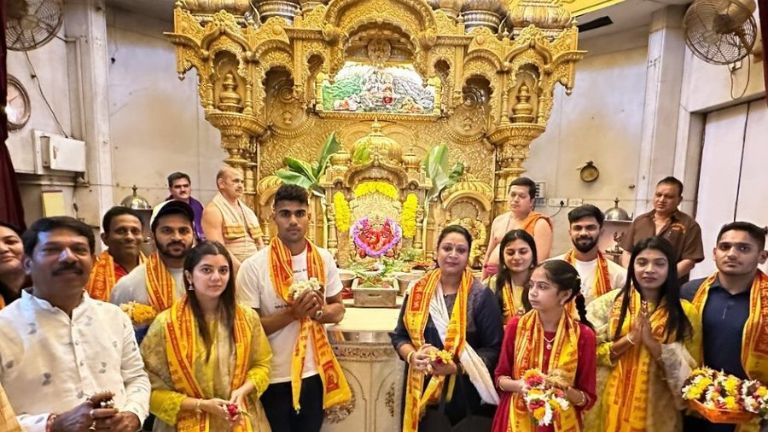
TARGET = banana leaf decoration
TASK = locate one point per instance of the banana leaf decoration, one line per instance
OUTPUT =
(306, 174)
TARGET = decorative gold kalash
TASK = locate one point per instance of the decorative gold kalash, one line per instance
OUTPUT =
(392, 79)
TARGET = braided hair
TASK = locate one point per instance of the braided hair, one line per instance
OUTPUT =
(566, 278)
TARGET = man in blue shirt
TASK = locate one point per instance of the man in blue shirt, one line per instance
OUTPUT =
(727, 301)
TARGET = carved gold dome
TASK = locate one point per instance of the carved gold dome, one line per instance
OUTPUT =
(470, 186)
(544, 14)
(379, 145)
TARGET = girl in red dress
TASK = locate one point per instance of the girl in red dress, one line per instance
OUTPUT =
(547, 338)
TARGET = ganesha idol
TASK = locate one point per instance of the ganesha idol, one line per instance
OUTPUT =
(376, 236)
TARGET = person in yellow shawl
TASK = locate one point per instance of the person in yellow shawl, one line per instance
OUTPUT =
(517, 261)
(122, 233)
(449, 329)
(733, 307)
(8, 422)
(306, 377)
(646, 338)
(207, 357)
(551, 340)
(153, 286)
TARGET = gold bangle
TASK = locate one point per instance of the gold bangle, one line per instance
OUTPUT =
(408, 357)
(197, 406)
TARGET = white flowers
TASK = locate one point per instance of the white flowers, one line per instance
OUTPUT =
(298, 288)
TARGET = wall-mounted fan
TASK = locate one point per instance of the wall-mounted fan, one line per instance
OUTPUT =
(720, 31)
(32, 23)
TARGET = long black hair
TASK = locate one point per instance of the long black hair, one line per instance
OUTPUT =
(226, 300)
(505, 274)
(6, 292)
(678, 324)
(567, 278)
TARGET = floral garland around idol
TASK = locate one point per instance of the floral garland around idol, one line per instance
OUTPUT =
(543, 402)
(376, 236)
(724, 398)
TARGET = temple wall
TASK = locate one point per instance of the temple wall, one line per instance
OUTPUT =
(601, 122)
(156, 121)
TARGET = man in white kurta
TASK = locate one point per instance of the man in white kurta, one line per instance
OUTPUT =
(598, 274)
(58, 347)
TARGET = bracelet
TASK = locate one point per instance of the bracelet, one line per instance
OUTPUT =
(498, 382)
(582, 397)
(197, 406)
(50, 422)
(630, 339)
(408, 357)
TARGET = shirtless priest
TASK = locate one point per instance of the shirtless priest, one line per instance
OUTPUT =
(228, 220)
(522, 193)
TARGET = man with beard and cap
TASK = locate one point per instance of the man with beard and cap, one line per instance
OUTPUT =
(732, 304)
(598, 274)
(63, 355)
(153, 286)
(123, 236)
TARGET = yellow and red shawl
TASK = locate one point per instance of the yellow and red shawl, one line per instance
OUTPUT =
(335, 387)
(754, 343)
(181, 339)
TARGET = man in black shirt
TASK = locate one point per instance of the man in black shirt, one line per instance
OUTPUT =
(727, 301)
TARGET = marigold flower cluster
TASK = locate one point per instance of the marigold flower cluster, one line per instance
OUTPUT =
(384, 188)
(718, 396)
(343, 214)
(544, 402)
(408, 216)
(139, 313)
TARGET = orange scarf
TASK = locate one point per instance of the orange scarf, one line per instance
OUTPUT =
(602, 277)
(103, 278)
(181, 340)
(626, 391)
(161, 286)
(512, 301)
(335, 387)
(415, 319)
(529, 354)
(754, 342)
(529, 223)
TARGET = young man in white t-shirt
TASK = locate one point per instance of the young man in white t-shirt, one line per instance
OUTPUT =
(585, 227)
(282, 321)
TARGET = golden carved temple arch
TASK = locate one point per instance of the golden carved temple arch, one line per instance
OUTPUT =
(492, 66)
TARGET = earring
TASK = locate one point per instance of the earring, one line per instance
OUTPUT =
(191, 287)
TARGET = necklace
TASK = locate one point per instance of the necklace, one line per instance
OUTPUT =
(549, 343)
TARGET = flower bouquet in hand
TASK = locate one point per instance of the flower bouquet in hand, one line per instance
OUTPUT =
(299, 288)
(544, 401)
(724, 398)
(439, 357)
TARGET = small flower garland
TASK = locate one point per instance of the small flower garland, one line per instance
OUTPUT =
(721, 397)
(343, 214)
(298, 288)
(363, 230)
(408, 216)
(368, 187)
(541, 400)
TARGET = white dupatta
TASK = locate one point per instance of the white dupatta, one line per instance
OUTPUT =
(470, 361)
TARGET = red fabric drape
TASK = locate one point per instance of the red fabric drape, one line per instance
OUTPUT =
(11, 210)
(762, 5)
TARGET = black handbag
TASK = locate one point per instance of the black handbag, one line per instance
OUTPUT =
(438, 421)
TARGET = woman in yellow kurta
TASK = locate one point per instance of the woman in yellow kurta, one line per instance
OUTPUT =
(207, 352)
(645, 341)
(517, 258)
